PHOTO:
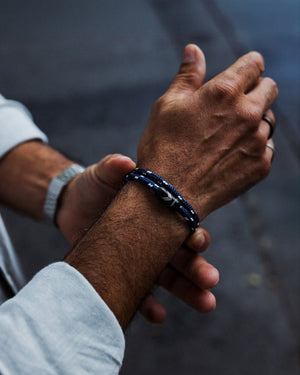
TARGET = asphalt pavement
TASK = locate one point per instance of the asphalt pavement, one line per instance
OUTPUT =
(90, 71)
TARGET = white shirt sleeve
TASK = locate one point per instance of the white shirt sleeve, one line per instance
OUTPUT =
(58, 324)
(16, 125)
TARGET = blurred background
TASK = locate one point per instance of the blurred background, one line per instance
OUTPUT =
(90, 71)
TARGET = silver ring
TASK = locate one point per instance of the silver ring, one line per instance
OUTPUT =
(271, 147)
(271, 123)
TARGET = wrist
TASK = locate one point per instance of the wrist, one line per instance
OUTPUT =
(166, 193)
(28, 170)
(127, 248)
(182, 181)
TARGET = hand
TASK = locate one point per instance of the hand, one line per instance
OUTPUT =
(89, 193)
(210, 143)
(188, 275)
(209, 140)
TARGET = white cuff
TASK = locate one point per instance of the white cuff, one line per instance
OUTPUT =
(58, 324)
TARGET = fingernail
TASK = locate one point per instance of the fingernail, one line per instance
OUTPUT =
(200, 240)
(189, 55)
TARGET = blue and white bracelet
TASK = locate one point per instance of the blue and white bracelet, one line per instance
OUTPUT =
(167, 194)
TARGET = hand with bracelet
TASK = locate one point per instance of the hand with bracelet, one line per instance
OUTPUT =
(211, 143)
(188, 276)
(27, 170)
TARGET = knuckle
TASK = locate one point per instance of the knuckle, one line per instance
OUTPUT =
(224, 89)
(161, 106)
(260, 142)
(255, 116)
(271, 114)
(167, 107)
(106, 159)
(112, 158)
(251, 114)
(160, 103)
(257, 59)
(273, 85)
(167, 100)
(188, 77)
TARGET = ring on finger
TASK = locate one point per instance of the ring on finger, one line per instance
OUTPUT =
(271, 123)
(271, 147)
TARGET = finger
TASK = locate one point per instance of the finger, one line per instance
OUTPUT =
(264, 93)
(112, 169)
(153, 310)
(201, 300)
(192, 71)
(244, 73)
(199, 240)
(195, 269)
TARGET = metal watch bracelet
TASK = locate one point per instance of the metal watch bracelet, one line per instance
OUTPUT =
(55, 188)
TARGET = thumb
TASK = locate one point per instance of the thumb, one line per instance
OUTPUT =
(112, 169)
(192, 70)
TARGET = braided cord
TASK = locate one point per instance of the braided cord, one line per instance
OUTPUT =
(163, 183)
(166, 193)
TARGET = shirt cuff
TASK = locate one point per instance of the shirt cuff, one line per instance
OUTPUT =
(16, 125)
(58, 324)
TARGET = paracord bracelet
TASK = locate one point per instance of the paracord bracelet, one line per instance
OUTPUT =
(167, 193)
(163, 183)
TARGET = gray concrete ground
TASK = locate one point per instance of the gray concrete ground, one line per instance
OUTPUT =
(90, 72)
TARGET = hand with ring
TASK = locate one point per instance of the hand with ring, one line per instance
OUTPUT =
(210, 141)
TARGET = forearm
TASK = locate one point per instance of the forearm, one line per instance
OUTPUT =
(27, 170)
(124, 252)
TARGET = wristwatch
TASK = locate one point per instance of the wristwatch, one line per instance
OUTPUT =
(55, 188)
